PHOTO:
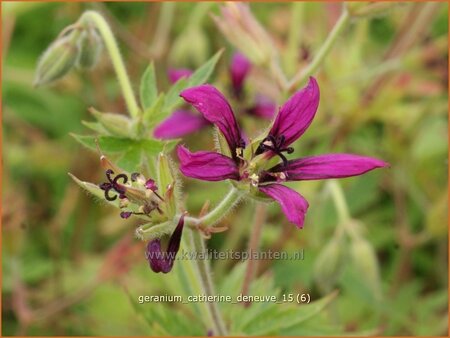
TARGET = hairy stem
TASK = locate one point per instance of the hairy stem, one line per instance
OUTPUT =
(341, 24)
(92, 17)
(218, 212)
(204, 273)
(253, 244)
(345, 221)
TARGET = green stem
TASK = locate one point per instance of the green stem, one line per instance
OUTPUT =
(92, 17)
(203, 267)
(163, 28)
(291, 55)
(199, 13)
(341, 24)
(204, 273)
(218, 212)
(345, 221)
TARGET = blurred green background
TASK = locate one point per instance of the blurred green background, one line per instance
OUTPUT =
(71, 266)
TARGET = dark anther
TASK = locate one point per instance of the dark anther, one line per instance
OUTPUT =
(134, 176)
(114, 185)
(275, 144)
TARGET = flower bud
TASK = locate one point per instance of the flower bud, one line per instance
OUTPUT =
(241, 28)
(328, 265)
(90, 45)
(116, 124)
(162, 261)
(191, 48)
(57, 60)
(366, 265)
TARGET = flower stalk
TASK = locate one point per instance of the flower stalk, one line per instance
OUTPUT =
(204, 274)
(301, 76)
(94, 18)
(215, 215)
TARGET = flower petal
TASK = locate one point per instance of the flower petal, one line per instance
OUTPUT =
(263, 107)
(328, 166)
(239, 69)
(179, 124)
(207, 166)
(295, 116)
(176, 74)
(154, 255)
(292, 203)
(215, 108)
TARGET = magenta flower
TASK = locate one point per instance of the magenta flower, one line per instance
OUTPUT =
(239, 69)
(176, 74)
(250, 166)
(162, 261)
(180, 123)
(183, 122)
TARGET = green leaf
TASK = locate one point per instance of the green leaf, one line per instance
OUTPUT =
(115, 124)
(131, 160)
(282, 316)
(202, 74)
(152, 147)
(108, 144)
(148, 88)
(154, 114)
(95, 126)
(173, 95)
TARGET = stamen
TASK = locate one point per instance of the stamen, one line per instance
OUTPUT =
(108, 197)
(275, 144)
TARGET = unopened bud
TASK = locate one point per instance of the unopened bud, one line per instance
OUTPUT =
(242, 29)
(116, 124)
(57, 60)
(91, 46)
(190, 48)
(366, 265)
(167, 183)
(329, 264)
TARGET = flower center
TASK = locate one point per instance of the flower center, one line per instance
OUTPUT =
(114, 185)
(276, 145)
(142, 197)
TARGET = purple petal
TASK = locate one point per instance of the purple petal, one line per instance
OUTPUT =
(125, 214)
(297, 113)
(175, 239)
(328, 166)
(179, 124)
(239, 69)
(292, 203)
(263, 108)
(154, 255)
(207, 166)
(162, 261)
(176, 74)
(215, 108)
(150, 184)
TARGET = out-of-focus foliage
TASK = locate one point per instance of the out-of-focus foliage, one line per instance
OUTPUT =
(72, 267)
